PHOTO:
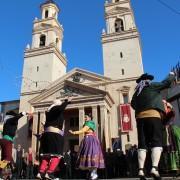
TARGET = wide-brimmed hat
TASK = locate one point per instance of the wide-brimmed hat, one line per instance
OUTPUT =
(11, 112)
(145, 76)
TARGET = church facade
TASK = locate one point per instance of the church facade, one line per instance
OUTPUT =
(106, 96)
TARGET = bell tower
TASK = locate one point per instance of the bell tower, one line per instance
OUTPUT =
(122, 56)
(44, 61)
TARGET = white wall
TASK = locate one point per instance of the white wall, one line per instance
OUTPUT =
(131, 61)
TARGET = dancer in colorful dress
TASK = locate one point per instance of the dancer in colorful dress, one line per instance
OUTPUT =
(52, 139)
(90, 155)
(148, 105)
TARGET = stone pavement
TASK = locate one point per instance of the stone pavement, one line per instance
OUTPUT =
(163, 178)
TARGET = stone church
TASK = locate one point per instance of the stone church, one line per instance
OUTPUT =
(45, 78)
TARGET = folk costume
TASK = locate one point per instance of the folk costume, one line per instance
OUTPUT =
(148, 105)
(52, 139)
(90, 155)
(170, 160)
(9, 132)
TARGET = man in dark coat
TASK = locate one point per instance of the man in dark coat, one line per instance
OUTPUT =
(19, 161)
(148, 106)
(67, 162)
(52, 139)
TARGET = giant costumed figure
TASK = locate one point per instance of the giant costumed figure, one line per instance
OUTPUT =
(148, 105)
(52, 139)
(9, 128)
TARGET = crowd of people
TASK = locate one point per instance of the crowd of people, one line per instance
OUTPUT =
(152, 114)
(118, 165)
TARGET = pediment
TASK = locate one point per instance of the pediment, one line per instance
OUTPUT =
(85, 77)
(118, 9)
(82, 84)
(64, 89)
(81, 76)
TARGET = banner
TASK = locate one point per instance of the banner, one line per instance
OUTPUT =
(125, 118)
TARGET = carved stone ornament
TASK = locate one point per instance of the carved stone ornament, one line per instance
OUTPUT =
(69, 91)
(77, 78)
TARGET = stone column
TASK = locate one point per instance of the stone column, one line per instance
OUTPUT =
(95, 117)
(104, 126)
(38, 127)
(42, 121)
(34, 130)
(81, 122)
(102, 113)
(110, 129)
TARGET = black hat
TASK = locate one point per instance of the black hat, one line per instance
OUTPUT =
(11, 113)
(145, 76)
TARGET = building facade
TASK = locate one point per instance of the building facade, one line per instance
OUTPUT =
(105, 96)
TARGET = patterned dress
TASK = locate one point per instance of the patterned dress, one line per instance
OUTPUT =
(90, 152)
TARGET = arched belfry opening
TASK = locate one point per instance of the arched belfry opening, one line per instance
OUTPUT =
(42, 40)
(46, 14)
(119, 25)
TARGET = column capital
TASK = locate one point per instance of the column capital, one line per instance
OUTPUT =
(35, 112)
(102, 105)
(81, 108)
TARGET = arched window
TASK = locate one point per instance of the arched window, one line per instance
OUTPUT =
(119, 25)
(57, 40)
(121, 55)
(46, 14)
(42, 40)
(125, 98)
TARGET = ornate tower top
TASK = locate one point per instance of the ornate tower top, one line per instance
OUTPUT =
(114, 1)
(49, 2)
(49, 9)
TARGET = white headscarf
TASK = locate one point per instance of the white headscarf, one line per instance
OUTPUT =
(141, 85)
(56, 102)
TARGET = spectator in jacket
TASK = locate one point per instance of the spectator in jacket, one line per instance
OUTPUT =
(29, 160)
(19, 161)
(67, 162)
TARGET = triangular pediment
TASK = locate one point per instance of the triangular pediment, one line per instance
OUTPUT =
(78, 82)
(86, 77)
(81, 76)
(118, 9)
(67, 88)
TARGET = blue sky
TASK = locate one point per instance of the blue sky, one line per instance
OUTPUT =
(83, 21)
